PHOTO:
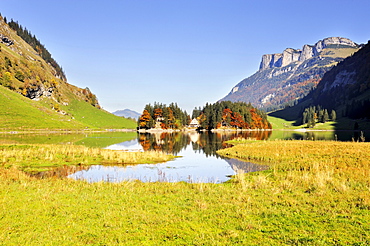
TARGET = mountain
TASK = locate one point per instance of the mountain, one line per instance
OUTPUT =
(127, 113)
(344, 89)
(34, 92)
(347, 85)
(284, 78)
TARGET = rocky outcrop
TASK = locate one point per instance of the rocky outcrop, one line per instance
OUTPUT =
(5, 40)
(37, 91)
(290, 55)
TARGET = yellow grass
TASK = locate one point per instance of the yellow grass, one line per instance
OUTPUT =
(309, 165)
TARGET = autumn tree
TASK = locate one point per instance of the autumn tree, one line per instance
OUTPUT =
(237, 120)
(144, 119)
(158, 112)
(226, 116)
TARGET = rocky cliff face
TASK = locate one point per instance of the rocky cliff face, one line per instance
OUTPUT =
(290, 55)
(285, 77)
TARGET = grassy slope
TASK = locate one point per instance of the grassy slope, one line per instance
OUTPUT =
(18, 112)
(279, 123)
(306, 198)
(97, 118)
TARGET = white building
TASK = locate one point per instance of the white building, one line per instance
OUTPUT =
(194, 123)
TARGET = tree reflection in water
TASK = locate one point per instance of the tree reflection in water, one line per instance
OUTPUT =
(199, 162)
(206, 142)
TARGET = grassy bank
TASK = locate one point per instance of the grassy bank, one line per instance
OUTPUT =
(316, 193)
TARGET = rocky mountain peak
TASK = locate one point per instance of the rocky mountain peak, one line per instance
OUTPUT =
(290, 55)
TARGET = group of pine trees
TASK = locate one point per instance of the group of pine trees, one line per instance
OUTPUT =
(317, 114)
(227, 114)
(162, 116)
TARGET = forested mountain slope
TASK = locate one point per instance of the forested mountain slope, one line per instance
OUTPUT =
(286, 77)
(34, 92)
(346, 87)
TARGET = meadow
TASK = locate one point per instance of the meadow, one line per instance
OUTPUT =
(315, 193)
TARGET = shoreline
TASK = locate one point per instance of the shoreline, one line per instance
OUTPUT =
(153, 130)
(64, 131)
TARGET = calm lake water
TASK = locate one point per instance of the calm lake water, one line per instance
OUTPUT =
(198, 161)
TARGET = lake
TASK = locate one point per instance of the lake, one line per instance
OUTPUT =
(197, 161)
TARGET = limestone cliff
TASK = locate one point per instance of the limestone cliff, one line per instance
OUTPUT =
(290, 55)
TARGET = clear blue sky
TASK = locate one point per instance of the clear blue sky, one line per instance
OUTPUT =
(130, 53)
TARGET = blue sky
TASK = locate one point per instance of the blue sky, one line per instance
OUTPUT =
(130, 53)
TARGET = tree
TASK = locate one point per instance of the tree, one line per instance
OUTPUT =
(237, 120)
(144, 119)
(304, 117)
(170, 118)
(158, 112)
(333, 115)
(325, 116)
(226, 116)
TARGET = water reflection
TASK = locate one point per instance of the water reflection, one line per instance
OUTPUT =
(207, 142)
(59, 172)
(199, 161)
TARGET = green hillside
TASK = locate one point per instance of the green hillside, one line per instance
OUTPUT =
(18, 112)
(94, 117)
(34, 94)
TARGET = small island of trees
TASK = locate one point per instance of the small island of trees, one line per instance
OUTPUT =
(220, 115)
